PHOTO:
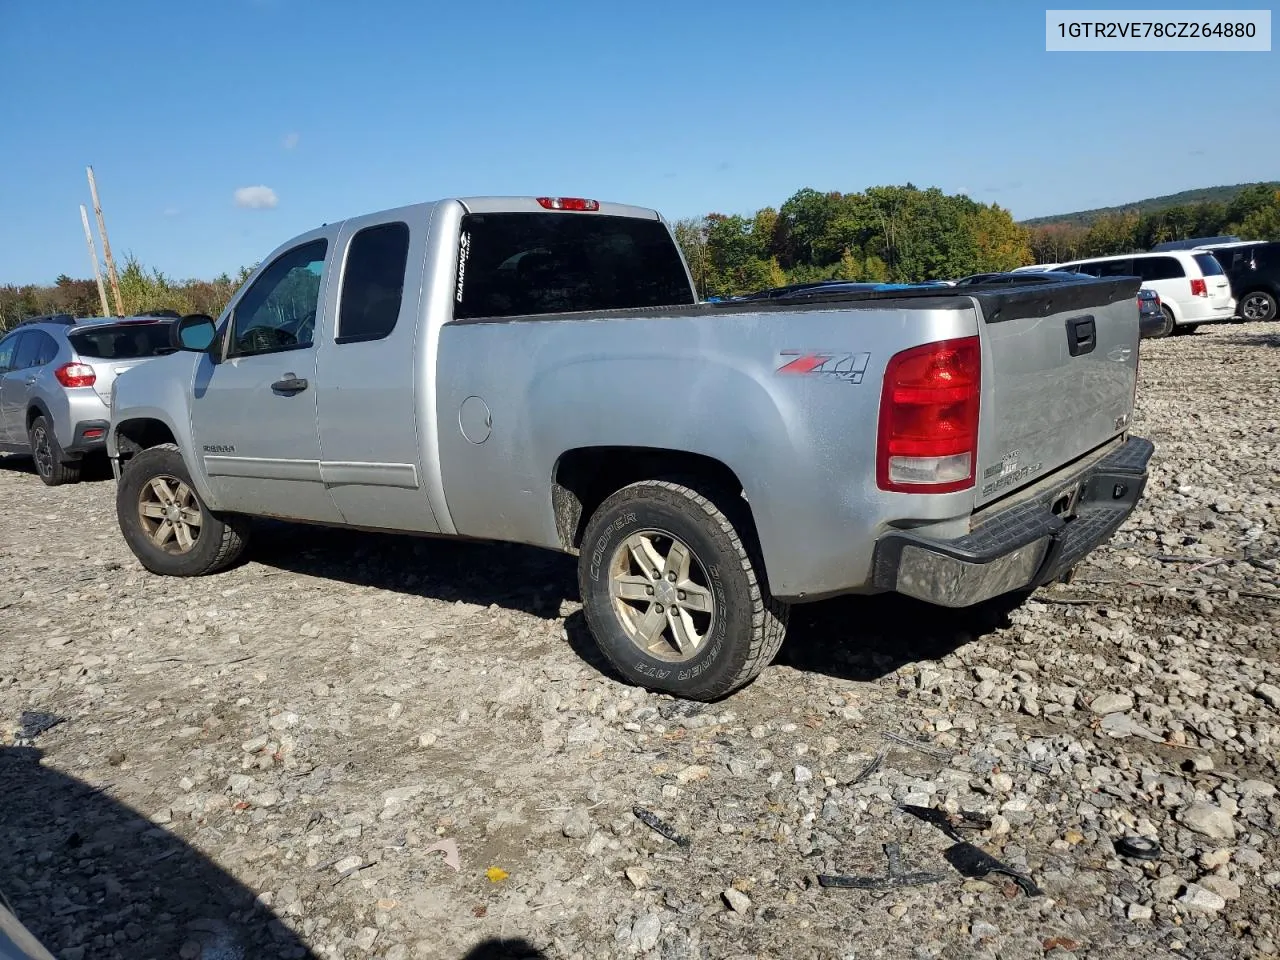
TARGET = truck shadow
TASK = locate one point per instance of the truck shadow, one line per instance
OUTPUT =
(510, 949)
(89, 877)
(866, 638)
(853, 638)
(517, 577)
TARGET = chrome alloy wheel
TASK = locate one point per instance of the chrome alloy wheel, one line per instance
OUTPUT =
(170, 514)
(661, 595)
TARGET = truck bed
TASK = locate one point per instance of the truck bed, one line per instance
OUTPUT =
(714, 378)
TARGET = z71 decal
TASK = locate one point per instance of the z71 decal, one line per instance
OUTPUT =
(831, 364)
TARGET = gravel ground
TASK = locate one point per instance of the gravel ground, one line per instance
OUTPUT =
(261, 763)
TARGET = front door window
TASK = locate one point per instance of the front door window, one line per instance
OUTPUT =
(279, 311)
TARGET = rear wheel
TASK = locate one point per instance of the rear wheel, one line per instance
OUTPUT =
(672, 590)
(165, 523)
(51, 467)
(1169, 324)
(1258, 306)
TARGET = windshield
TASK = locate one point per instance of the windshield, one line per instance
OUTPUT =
(122, 341)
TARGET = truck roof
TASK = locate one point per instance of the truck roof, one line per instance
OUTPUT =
(543, 204)
(517, 204)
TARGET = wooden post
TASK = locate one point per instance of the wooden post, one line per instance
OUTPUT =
(93, 255)
(106, 245)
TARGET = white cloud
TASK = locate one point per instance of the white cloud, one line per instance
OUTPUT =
(256, 198)
(290, 140)
(171, 211)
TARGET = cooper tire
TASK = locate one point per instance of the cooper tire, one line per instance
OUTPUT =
(745, 626)
(51, 467)
(143, 508)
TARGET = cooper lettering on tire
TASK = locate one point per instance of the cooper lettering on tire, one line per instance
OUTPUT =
(673, 593)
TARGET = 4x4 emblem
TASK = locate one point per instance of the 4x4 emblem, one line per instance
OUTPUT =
(835, 364)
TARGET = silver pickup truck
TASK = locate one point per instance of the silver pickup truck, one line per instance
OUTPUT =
(539, 370)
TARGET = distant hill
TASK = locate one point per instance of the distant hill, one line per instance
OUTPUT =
(1084, 218)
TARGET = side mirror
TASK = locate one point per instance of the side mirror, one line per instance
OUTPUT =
(193, 332)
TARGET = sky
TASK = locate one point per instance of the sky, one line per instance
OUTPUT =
(217, 131)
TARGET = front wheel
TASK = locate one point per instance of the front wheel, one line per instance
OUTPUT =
(1258, 306)
(673, 591)
(165, 523)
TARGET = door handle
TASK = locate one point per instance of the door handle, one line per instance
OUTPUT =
(290, 384)
(1081, 336)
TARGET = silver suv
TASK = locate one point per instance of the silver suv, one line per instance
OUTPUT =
(56, 376)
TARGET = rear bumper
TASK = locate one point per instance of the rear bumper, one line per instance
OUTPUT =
(1204, 310)
(1024, 546)
(89, 436)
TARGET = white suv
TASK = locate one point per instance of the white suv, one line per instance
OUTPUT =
(1192, 285)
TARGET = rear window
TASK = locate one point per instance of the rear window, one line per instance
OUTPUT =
(1209, 264)
(123, 342)
(518, 264)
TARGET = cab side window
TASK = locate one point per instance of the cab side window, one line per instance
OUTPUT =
(373, 282)
(278, 312)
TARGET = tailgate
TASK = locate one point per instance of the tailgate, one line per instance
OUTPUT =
(1059, 369)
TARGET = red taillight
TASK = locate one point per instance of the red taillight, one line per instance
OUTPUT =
(928, 440)
(568, 203)
(1198, 289)
(75, 375)
(93, 433)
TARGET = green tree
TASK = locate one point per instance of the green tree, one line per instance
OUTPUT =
(1248, 202)
(1263, 222)
(1001, 243)
(691, 234)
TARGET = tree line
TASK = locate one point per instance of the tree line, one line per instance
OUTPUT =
(904, 234)
(141, 289)
(1252, 214)
(893, 233)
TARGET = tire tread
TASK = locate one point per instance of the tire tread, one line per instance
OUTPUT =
(233, 539)
(768, 616)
